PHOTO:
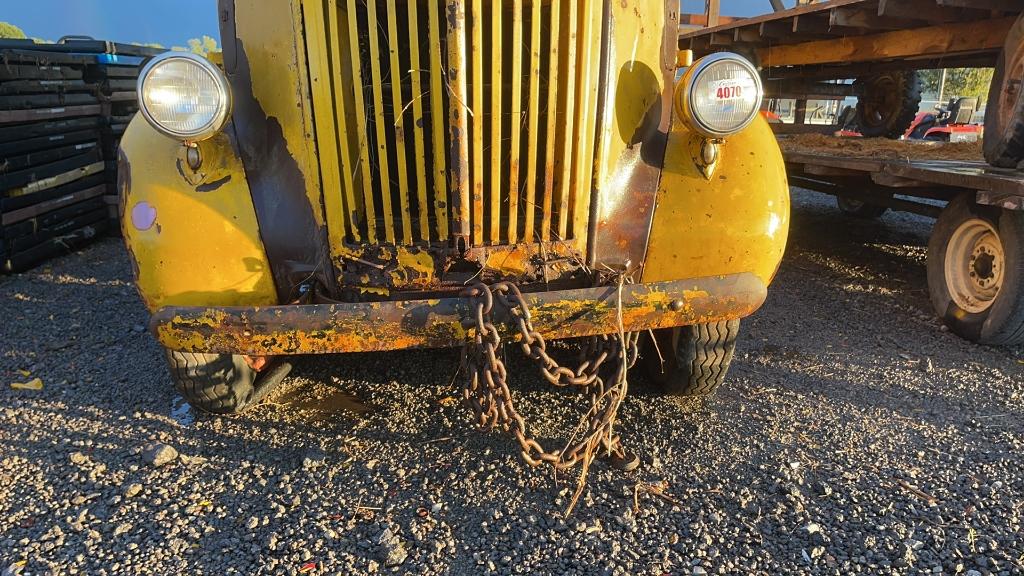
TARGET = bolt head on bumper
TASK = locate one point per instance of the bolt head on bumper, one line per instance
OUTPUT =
(437, 323)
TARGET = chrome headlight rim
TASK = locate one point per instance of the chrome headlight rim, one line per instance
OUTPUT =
(215, 124)
(688, 83)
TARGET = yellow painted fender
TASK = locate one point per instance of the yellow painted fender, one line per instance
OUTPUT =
(735, 221)
(192, 234)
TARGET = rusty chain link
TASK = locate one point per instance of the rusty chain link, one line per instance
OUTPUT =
(486, 389)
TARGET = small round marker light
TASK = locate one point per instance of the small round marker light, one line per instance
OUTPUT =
(719, 95)
(184, 96)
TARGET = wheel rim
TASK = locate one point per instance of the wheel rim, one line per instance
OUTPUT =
(974, 265)
(881, 100)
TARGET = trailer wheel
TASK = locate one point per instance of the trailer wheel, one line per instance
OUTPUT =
(859, 208)
(976, 271)
(1004, 117)
(693, 360)
(221, 383)
(888, 103)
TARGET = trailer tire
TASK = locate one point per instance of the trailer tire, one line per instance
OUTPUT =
(888, 103)
(221, 383)
(859, 208)
(976, 271)
(1004, 116)
(696, 358)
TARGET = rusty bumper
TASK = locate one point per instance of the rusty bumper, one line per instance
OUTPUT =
(436, 323)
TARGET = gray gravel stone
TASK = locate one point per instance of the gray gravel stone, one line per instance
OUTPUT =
(158, 455)
(827, 375)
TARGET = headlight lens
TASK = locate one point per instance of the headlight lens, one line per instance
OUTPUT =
(719, 95)
(184, 96)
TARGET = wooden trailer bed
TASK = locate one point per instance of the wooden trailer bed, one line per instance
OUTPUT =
(849, 38)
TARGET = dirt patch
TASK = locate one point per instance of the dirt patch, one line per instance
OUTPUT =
(882, 148)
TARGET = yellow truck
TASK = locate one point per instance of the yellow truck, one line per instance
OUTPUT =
(362, 175)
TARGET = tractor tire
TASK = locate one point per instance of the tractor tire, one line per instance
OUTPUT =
(859, 208)
(693, 359)
(221, 383)
(1003, 142)
(976, 271)
(888, 103)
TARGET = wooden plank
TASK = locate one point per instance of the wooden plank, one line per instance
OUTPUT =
(933, 40)
(863, 164)
(781, 128)
(852, 17)
(43, 207)
(712, 9)
(973, 175)
(925, 9)
(7, 116)
(1011, 6)
(819, 170)
(776, 16)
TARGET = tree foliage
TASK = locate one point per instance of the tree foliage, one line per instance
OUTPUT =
(960, 82)
(8, 30)
(203, 46)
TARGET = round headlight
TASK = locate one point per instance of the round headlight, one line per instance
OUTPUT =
(719, 95)
(184, 96)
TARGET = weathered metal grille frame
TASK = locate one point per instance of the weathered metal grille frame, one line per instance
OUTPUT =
(507, 159)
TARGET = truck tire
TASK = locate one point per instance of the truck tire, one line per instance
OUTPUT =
(1004, 116)
(976, 271)
(859, 208)
(888, 103)
(694, 359)
(221, 383)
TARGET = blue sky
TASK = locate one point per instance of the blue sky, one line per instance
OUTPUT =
(173, 22)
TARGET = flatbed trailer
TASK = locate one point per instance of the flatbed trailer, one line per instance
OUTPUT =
(871, 50)
(976, 250)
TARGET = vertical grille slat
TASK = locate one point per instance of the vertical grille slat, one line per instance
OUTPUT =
(380, 124)
(588, 50)
(347, 162)
(515, 120)
(397, 129)
(565, 181)
(477, 48)
(476, 128)
(321, 75)
(363, 136)
(420, 159)
(497, 46)
(550, 132)
(437, 127)
(533, 107)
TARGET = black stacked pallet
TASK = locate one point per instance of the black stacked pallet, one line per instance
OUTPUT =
(116, 78)
(51, 173)
(63, 108)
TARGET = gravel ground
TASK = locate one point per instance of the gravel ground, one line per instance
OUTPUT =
(854, 435)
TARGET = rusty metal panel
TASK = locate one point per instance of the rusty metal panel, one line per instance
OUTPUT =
(399, 125)
(459, 120)
(372, 326)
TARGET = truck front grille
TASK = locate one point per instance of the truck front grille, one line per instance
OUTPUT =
(464, 121)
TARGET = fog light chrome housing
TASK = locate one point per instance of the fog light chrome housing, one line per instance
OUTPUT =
(719, 95)
(184, 96)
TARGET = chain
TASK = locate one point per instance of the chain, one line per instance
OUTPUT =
(486, 391)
